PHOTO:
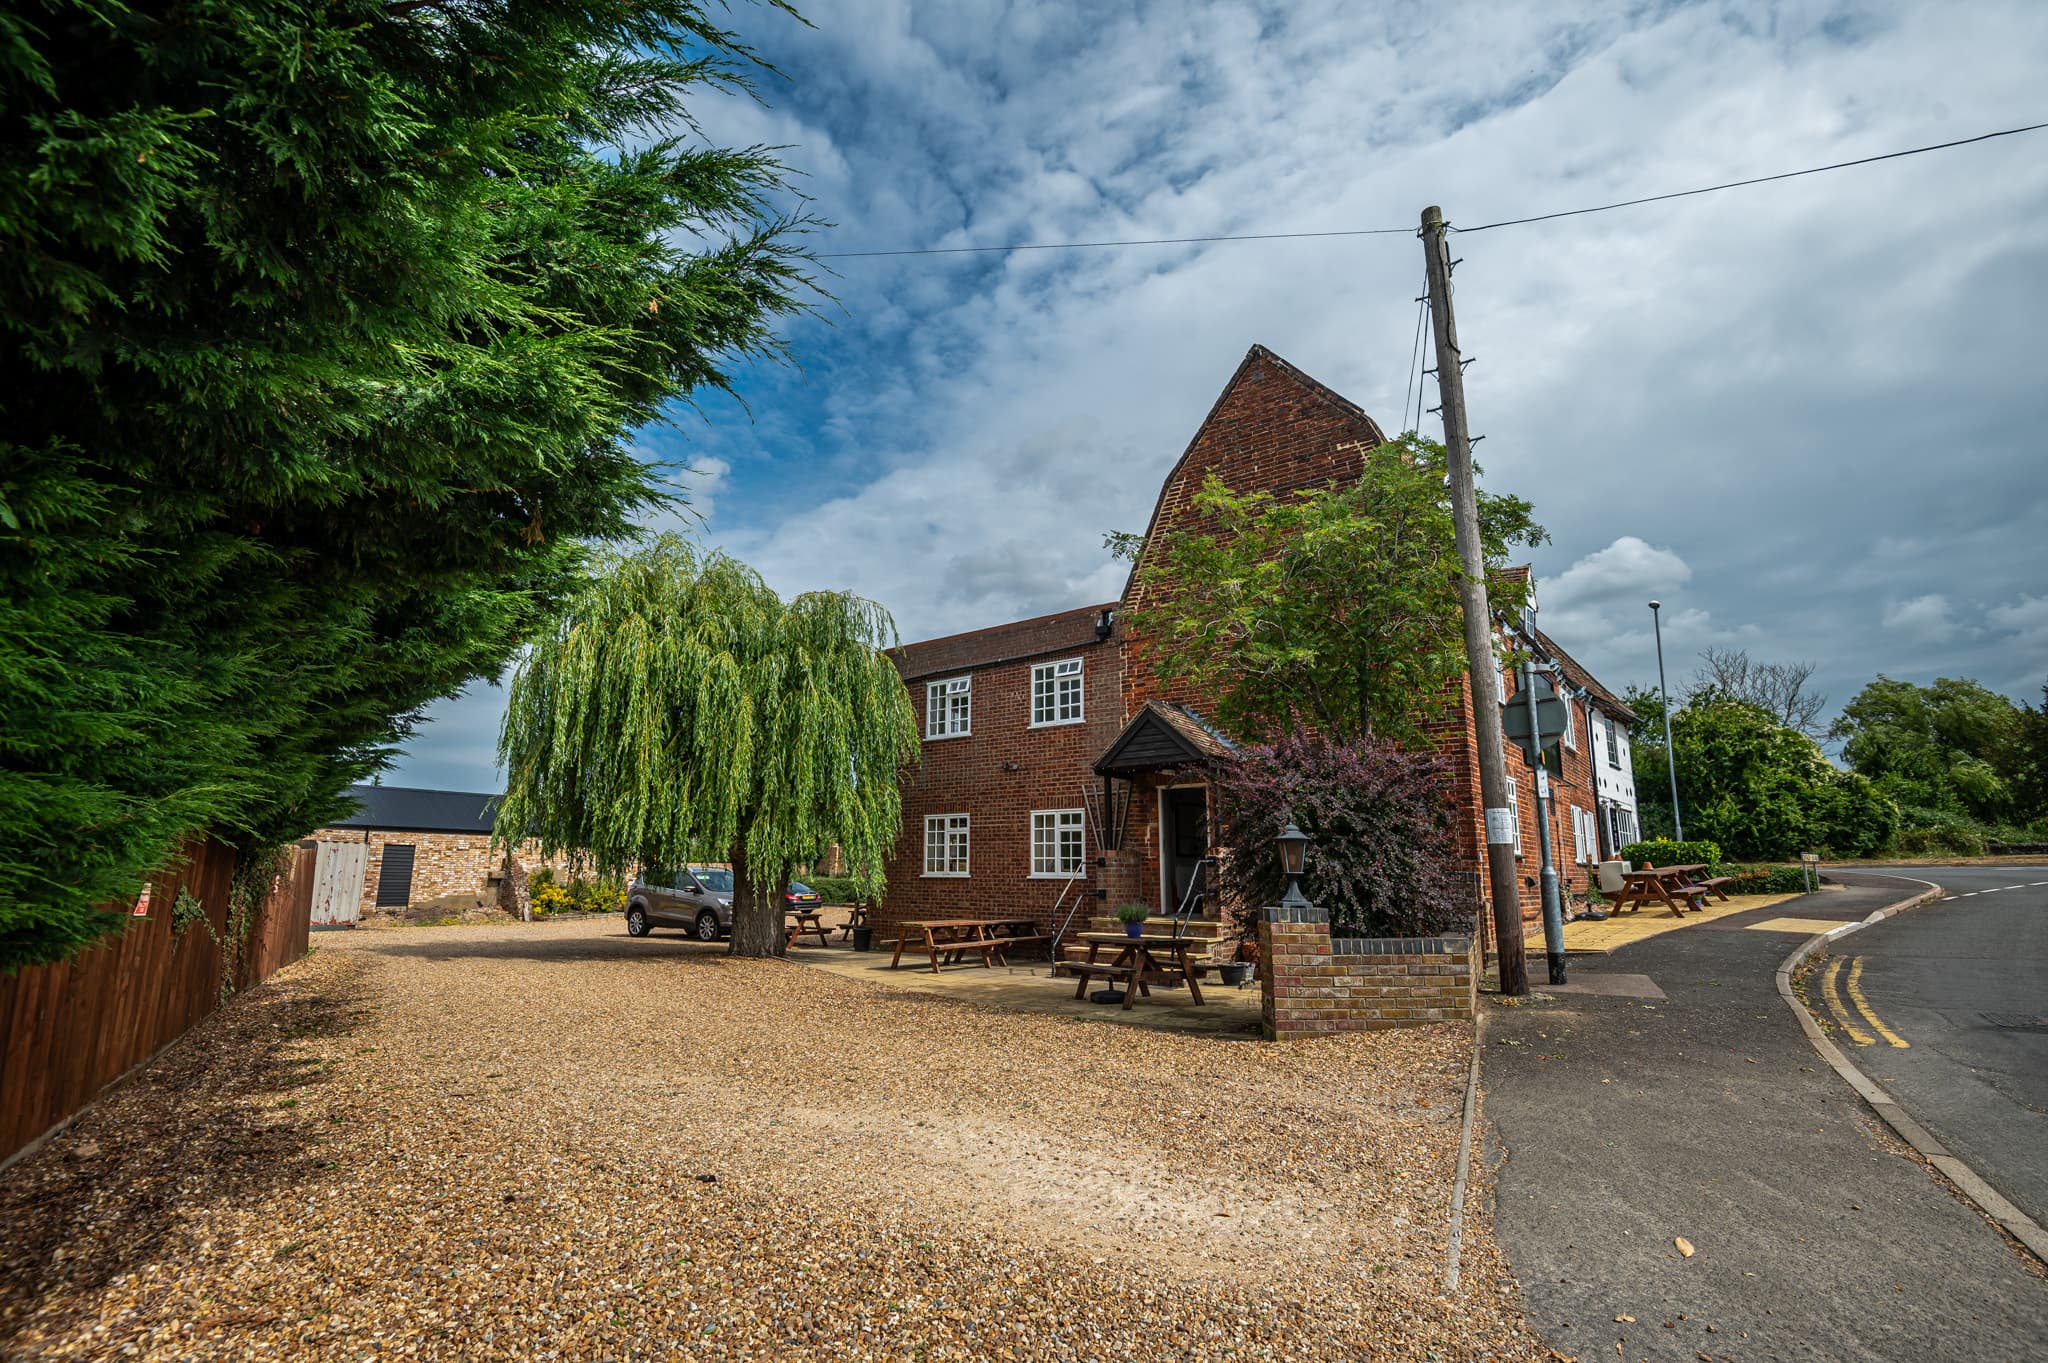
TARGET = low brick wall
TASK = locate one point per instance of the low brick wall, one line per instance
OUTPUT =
(1312, 986)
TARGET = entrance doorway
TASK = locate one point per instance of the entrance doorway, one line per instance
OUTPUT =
(1183, 843)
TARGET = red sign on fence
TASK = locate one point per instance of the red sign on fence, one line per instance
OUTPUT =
(142, 904)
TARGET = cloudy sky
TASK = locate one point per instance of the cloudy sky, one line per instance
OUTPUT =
(1808, 416)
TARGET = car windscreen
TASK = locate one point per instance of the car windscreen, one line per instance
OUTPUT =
(716, 879)
(798, 887)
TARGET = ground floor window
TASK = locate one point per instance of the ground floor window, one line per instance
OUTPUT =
(945, 844)
(1058, 842)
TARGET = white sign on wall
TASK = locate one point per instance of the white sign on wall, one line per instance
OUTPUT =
(1500, 826)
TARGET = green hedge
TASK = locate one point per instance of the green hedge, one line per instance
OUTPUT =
(1762, 879)
(1664, 852)
(835, 889)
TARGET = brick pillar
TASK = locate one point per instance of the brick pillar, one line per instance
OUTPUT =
(1294, 950)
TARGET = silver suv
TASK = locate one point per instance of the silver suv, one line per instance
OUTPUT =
(698, 898)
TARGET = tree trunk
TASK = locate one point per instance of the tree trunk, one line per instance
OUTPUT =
(757, 919)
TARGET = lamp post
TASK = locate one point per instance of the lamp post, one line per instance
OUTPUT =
(1670, 753)
(1293, 858)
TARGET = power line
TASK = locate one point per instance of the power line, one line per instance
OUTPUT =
(1409, 231)
(1081, 245)
(1759, 180)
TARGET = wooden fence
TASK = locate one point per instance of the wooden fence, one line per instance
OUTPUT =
(70, 1029)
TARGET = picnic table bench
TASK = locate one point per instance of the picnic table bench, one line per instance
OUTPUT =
(807, 920)
(1671, 886)
(952, 940)
(1140, 962)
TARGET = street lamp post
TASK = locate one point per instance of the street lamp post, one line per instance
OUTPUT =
(1670, 753)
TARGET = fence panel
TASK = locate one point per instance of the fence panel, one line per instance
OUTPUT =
(70, 1029)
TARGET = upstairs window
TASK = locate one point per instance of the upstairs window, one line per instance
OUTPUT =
(1056, 693)
(949, 708)
(1613, 746)
(945, 844)
(1571, 728)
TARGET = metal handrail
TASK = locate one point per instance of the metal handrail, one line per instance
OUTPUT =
(1080, 873)
(1195, 894)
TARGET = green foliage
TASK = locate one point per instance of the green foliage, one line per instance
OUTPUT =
(1927, 832)
(680, 711)
(840, 890)
(1665, 852)
(1949, 746)
(1762, 790)
(1761, 879)
(1133, 913)
(1334, 607)
(1383, 858)
(326, 328)
(185, 911)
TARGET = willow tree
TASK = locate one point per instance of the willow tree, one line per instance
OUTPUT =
(679, 710)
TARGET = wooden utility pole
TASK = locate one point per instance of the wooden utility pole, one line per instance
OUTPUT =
(1480, 660)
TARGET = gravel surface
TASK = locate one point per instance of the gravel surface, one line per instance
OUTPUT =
(554, 1142)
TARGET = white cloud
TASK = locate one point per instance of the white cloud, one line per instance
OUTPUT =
(2026, 619)
(1923, 617)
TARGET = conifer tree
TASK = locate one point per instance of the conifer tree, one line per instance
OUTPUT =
(325, 324)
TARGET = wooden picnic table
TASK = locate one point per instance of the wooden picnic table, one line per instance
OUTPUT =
(856, 917)
(1140, 962)
(1671, 886)
(807, 920)
(958, 938)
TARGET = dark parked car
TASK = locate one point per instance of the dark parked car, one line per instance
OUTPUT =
(697, 898)
(801, 896)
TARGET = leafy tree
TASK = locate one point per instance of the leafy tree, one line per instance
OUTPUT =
(1647, 762)
(326, 323)
(1777, 688)
(1337, 607)
(679, 711)
(1384, 860)
(1762, 790)
(2026, 767)
(1940, 747)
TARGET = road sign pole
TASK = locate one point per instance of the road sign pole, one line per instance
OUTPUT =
(1553, 906)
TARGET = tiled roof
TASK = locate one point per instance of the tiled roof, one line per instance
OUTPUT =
(1043, 634)
(1578, 676)
(409, 809)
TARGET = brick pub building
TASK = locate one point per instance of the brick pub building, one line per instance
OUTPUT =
(1061, 779)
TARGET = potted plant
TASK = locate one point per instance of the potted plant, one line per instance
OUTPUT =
(1133, 917)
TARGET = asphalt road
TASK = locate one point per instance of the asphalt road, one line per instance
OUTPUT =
(1618, 1124)
(1962, 986)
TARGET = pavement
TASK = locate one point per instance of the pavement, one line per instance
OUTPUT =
(1949, 1011)
(1620, 1122)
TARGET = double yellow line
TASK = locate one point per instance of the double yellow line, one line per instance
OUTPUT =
(1833, 981)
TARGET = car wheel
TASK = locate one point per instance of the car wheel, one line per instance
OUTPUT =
(636, 921)
(707, 926)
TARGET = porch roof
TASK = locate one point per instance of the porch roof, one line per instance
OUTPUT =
(1161, 735)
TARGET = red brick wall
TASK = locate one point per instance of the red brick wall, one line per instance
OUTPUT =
(1273, 429)
(997, 776)
(1310, 986)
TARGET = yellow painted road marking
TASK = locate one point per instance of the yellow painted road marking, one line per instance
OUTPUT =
(1805, 927)
(1831, 991)
(1863, 1005)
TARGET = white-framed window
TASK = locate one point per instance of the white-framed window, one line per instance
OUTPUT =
(1613, 744)
(1571, 728)
(945, 844)
(1056, 693)
(1515, 811)
(1625, 819)
(1059, 842)
(949, 708)
(1579, 834)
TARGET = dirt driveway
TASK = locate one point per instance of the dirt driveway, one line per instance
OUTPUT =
(556, 1142)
